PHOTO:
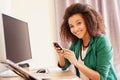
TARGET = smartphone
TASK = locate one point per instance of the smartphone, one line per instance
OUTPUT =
(58, 46)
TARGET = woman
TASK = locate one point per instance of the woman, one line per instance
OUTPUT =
(90, 51)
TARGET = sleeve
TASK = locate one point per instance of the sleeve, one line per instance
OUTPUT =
(104, 57)
(67, 63)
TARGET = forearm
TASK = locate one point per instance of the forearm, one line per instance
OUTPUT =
(91, 74)
(61, 61)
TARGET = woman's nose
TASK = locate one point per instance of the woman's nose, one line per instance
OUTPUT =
(76, 29)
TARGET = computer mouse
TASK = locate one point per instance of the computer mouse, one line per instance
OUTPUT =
(41, 71)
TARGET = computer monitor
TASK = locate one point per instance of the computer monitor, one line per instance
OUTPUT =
(14, 39)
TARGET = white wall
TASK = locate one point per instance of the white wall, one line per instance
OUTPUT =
(40, 15)
(5, 6)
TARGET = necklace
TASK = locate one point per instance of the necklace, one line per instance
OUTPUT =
(85, 46)
(81, 50)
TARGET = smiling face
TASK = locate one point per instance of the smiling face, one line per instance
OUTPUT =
(77, 26)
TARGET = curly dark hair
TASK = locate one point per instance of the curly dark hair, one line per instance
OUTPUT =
(93, 20)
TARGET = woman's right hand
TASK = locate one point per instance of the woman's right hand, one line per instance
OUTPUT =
(59, 51)
(61, 56)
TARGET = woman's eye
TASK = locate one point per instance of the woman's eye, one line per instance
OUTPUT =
(70, 26)
(78, 23)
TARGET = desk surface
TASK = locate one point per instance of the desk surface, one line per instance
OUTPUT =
(66, 75)
(61, 75)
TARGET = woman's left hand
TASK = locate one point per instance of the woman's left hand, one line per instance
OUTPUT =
(68, 54)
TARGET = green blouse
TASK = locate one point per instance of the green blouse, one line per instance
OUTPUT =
(99, 57)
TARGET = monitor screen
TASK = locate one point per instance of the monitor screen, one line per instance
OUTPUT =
(17, 43)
